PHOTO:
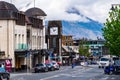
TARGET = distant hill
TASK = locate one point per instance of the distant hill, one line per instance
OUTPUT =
(90, 30)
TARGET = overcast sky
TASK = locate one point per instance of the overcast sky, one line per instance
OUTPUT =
(56, 9)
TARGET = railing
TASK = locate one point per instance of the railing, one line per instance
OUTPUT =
(22, 47)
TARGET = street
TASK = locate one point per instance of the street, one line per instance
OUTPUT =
(67, 73)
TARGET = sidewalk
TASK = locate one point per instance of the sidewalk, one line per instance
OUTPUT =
(22, 72)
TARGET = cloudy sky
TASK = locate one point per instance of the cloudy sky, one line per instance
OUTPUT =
(56, 9)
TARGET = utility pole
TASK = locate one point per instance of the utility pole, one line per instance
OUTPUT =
(11, 1)
(34, 3)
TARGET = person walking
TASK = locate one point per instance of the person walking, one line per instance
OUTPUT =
(73, 64)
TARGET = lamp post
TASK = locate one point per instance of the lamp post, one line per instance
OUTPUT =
(60, 49)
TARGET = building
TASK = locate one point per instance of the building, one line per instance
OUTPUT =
(54, 39)
(12, 32)
(36, 35)
(69, 50)
(22, 35)
(96, 47)
(67, 40)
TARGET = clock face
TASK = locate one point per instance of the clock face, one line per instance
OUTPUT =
(54, 31)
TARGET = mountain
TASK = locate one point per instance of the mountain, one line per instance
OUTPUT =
(84, 27)
(88, 29)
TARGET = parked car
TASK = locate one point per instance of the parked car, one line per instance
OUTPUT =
(4, 74)
(56, 65)
(40, 67)
(50, 66)
(115, 68)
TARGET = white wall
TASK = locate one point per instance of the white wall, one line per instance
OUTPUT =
(7, 39)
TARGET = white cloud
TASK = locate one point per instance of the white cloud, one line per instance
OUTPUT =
(89, 34)
(55, 9)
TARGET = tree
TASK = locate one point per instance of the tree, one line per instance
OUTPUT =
(111, 31)
(83, 48)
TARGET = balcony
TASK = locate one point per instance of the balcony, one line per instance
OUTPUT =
(22, 47)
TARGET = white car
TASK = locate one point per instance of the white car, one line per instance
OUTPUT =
(104, 62)
(56, 65)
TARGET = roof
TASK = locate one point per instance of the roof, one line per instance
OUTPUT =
(27, 20)
(7, 10)
(55, 23)
(35, 12)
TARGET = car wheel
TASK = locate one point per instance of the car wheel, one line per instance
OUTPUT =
(105, 73)
(1, 77)
(46, 70)
(99, 67)
(58, 68)
(36, 71)
(115, 71)
(110, 72)
(8, 78)
(52, 69)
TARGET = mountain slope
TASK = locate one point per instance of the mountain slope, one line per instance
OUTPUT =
(90, 30)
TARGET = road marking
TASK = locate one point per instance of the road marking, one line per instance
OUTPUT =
(20, 78)
(71, 74)
(47, 78)
(104, 78)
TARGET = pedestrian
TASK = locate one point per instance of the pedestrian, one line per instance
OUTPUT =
(73, 64)
(3, 66)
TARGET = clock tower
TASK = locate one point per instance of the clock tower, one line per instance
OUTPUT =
(55, 35)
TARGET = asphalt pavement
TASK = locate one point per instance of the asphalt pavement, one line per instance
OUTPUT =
(91, 72)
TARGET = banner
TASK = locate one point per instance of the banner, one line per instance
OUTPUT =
(8, 65)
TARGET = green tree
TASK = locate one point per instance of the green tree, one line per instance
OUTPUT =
(84, 48)
(111, 31)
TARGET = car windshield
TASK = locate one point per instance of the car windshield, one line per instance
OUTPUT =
(48, 64)
(39, 65)
(104, 59)
(2, 69)
(117, 62)
(53, 63)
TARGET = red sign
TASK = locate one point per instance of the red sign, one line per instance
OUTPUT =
(8, 65)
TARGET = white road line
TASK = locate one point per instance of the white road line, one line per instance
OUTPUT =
(105, 78)
(71, 74)
(47, 78)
